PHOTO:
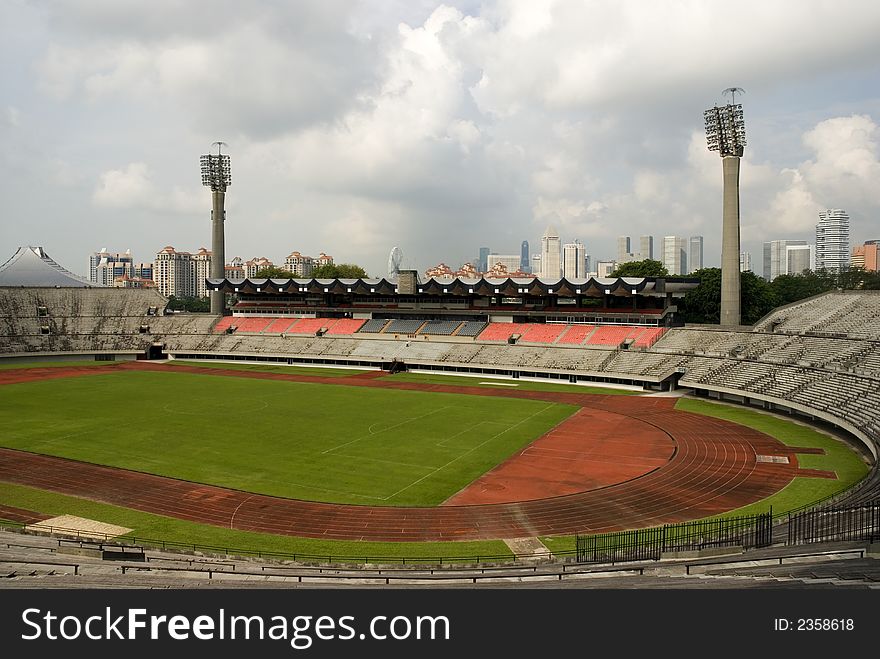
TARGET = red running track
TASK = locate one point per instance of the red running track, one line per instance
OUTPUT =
(712, 468)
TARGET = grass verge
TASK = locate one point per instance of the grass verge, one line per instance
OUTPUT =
(157, 527)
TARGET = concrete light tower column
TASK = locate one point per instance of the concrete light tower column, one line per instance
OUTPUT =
(217, 175)
(726, 133)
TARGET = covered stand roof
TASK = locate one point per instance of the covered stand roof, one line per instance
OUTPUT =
(31, 266)
(595, 286)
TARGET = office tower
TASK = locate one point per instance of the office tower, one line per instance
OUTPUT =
(695, 253)
(675, 257)
(776, 257)
(574, 264)
(524, 262)
(483, 259)
(798, 258)
(551, 267)
(646, 247)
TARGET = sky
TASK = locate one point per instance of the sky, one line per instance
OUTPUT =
(354, 127)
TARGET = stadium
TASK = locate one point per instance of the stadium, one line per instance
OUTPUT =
(457, 430)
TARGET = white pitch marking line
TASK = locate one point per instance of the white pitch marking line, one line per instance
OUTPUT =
(397, 425)
(471, 450)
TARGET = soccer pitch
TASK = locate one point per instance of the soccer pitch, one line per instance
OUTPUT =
(333, 443)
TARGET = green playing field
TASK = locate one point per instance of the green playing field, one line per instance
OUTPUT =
(320, 442)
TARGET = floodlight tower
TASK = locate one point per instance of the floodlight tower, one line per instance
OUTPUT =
(217, 175)
(726, 133)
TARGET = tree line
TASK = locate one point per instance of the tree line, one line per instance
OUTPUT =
(759, 297)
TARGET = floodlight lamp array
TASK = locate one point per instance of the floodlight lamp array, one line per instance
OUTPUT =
(725, 129)
(216, 172)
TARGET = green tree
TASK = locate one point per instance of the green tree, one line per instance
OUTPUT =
(191, 304)
(273, 272)
(339, 271)
(645, 268)
(703, 304)
(791, 288)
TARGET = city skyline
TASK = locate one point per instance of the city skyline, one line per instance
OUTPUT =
(433, 127)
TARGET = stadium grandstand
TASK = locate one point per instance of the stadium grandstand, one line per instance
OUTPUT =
(818, 359)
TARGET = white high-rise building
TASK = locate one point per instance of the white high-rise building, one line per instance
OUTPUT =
(646, 247)
(695, 253)
(832, 240)
(551, 266)
(675, 255)
(745, 261)
(574, 260)
(624, 250)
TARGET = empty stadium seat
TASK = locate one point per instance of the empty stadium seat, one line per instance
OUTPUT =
(252, 324)
(540, 333)
(440, 327)
(279, 325)
(575, 334)
(498, 331)
(310, 325)
(373, 326)
(609, 335)
(471, 328)
(346, 326)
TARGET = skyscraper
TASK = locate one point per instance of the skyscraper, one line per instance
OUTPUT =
(483, 259)
(776, 257)
(574, 264)
(832, 240)
(745, 262)
(551, 254)
(624, 249)
(524, 263)
(798, 258)
(675, 257)
(646, 247)
(695, 253)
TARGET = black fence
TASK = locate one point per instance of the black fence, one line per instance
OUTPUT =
(835, 524)
(752, 531)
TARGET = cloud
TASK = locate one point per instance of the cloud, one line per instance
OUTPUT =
(842, 172)
(354, 126)
(273, 69)
(133, 188)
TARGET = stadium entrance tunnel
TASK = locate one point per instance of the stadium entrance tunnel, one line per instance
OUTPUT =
(394, 366)
(156, 351)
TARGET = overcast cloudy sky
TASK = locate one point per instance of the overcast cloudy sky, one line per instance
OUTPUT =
(357, 126)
